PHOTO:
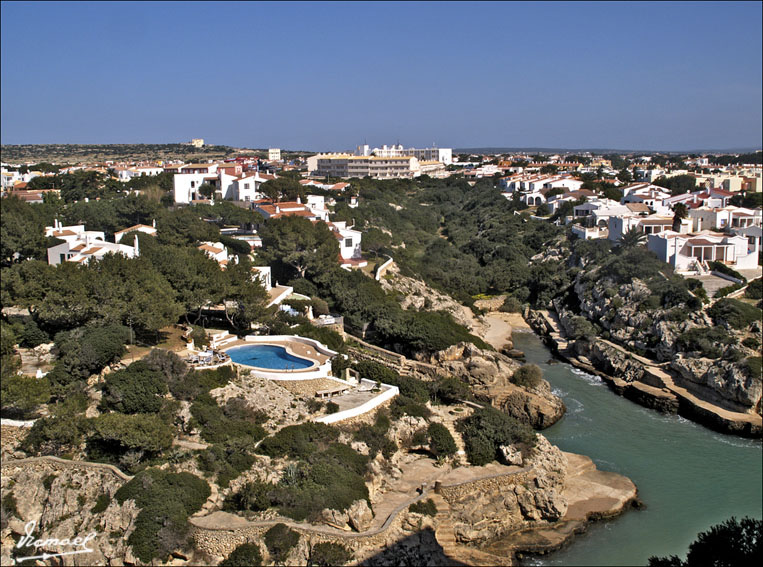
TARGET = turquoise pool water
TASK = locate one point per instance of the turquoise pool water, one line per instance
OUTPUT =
(267, 356)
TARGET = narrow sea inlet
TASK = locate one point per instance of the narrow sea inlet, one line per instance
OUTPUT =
(688, 476)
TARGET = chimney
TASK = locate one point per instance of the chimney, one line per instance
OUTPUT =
(299, 201)
(154, 223)
(278, 209)
(137, 247)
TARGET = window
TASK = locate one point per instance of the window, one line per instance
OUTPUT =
(348, 242)
(193, 184)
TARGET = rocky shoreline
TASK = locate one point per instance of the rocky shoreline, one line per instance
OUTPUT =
(644, 382)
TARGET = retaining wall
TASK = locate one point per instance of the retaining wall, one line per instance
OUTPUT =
(387, 394)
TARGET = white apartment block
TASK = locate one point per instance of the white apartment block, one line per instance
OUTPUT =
(274, 154)
(442, 155)
(345, 165)
(81, 246)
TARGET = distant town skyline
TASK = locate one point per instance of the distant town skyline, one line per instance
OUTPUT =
(330, 76)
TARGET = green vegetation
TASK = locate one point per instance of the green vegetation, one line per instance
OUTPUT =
(527, 375)
(166, 500)
(486, 430)
(708, 341)
(101, 504)
(754, 289)
(441, 442)
(734, 313)
(136, 389)
(280, 540)
(730, 543)
(375, 436)
(329, 554)
(245, 555)
(217, 427)
(426, 507)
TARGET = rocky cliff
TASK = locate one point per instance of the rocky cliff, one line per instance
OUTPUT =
(493, 506)
(66, 500)
(489, 375)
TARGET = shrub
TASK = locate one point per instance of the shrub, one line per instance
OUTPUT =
(375, 436)
(32, 335)
(216, 427)
(511, 305)
(101, 504)
(244, 555)
(426, 507)
(166, 500)
(751, 342)
(754, 366)
(449, 390)
(581, 328)
(114, 434)
(403, 405)
(325, 554)
(487, 429)
(754, 289)
(55, 435)
(227, 461)
(332, 407)
(299, 441)
(527, 376)
(21, 395)
(280, 540)
(709, 341)
(252, 496)
(441, 442)
(724, 291)
(199, 336)
(135, 389)
(734, 313)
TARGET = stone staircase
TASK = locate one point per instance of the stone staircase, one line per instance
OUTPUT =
(219, 340)
(449, 421)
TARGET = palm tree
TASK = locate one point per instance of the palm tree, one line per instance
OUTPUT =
(632, 238)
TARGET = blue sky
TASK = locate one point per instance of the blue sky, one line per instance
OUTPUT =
(327, 76)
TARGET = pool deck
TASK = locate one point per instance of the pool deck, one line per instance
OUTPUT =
(292, 347)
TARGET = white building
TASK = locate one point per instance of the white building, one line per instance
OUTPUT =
(686, 251)
(349, 245)
(442, 155)
(274, 154)
(82, 245)
(216, 251)
(144, 228)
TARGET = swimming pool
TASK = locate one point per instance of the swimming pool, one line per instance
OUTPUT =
(268, 356)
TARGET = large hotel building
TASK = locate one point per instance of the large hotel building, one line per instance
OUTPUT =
(381, 163)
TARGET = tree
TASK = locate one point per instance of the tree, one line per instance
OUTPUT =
(728, 544)
(549, 169)
(21, 395)
(308, 248)
(680, 212)
(244, 555)
(632, 238)
(625, 176)
(279, 540)
(325, 554)
(287, 188)
(441, 442)
(207, 190)
(245, 299)
(135, 389)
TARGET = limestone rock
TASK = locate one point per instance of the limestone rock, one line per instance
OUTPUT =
(360, 516)
(511, 455)
(489, 375)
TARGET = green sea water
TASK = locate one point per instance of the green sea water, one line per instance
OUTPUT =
(688, 476)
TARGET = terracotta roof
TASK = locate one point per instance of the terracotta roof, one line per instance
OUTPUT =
(703, 242)
(637, 207)
(64, 233)
(135, 227)
(92, 250)
(209, 248)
